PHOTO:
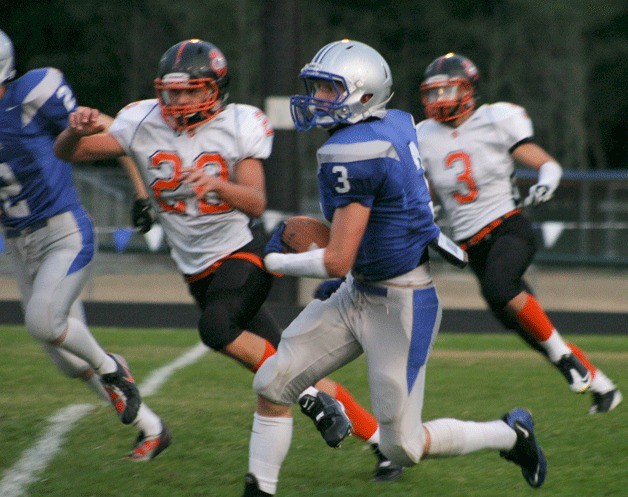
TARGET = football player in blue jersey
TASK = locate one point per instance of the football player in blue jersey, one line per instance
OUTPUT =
(50, 240)
(374, 194)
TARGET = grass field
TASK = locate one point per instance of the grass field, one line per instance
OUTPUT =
(209, 407)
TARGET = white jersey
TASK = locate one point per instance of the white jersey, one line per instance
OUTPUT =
(470, 167)
(199, 232)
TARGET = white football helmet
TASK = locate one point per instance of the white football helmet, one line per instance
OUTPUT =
(355, 70)
(7, 65)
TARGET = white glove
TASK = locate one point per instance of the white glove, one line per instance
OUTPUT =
(549, 177)
(537, 195)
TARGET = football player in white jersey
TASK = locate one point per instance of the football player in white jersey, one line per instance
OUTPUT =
(373, 192)
(202, 162)
(468, 154)
(51, 242)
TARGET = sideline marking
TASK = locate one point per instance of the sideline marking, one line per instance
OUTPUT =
(34, 460)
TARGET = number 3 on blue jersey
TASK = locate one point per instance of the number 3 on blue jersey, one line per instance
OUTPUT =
(343, 179)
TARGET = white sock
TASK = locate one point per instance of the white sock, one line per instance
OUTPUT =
(601, 383)
(270, 441)
(93, 382)
(147, 421)
(452, 437)
(374, 438)
(555, 346)
(80, 342)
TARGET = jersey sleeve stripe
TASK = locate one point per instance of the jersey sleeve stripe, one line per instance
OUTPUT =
(353, 152)
(40, 94)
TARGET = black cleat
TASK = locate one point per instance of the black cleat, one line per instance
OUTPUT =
(526, 453)
(251, 487)
(578, 377)
(385, 469)
(605, 402)
(122, 390)
(329, 417)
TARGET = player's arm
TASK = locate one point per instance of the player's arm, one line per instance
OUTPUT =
(246, 193)
(533, 156)
(83, 139)
(346, 232)
(335, 260)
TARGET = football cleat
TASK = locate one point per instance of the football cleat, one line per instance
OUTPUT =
(251, 487)
(147, 448)
(385, 469)
(329, 417)
(122, 390)
(526, 453)
(605, 402)
(578, 376)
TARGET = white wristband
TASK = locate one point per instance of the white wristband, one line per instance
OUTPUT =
(309, 264)
(549, 174)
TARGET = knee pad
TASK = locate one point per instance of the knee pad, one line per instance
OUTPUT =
(498, 293)
(404, 451)
(271, 381)
(217, 326)
(42, 321)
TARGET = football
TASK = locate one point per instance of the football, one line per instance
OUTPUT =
(303, 233)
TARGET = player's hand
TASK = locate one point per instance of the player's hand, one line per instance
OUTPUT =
(327, 288)
(200, 182)
(85, 121)
(142, 215)
(275, 244)
(537, 195)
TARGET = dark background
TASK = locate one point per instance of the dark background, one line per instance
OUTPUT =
(566, 61)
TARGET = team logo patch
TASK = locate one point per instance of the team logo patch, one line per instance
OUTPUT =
(218, 63)
(469, 68)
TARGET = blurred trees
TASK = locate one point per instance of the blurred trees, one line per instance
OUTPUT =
(566, 61)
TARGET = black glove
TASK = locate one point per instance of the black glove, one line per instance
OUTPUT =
(142, 215)
(327, 288)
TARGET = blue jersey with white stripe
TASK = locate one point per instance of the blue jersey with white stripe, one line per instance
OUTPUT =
(376, 163)
(34, 183)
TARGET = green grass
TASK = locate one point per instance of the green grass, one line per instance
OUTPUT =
(209, 406)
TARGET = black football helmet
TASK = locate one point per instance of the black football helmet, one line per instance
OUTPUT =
(449, 87)
(189, 65)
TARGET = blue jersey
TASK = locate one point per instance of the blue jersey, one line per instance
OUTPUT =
(34, 183)
(377, 164)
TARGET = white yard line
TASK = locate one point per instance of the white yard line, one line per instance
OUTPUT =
(34, 460)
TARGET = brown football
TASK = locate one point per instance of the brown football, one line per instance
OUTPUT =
(303, 233)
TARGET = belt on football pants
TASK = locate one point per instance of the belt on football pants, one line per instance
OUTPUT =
(25, 230)
(372, 289)
(484, 232)
(254, 259)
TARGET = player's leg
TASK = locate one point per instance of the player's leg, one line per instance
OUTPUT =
(505, 258)
(316, 343)
(397, 390)
(396, 346)
(63, 251)
(236, 323)
(231, 299)
(69, 364)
